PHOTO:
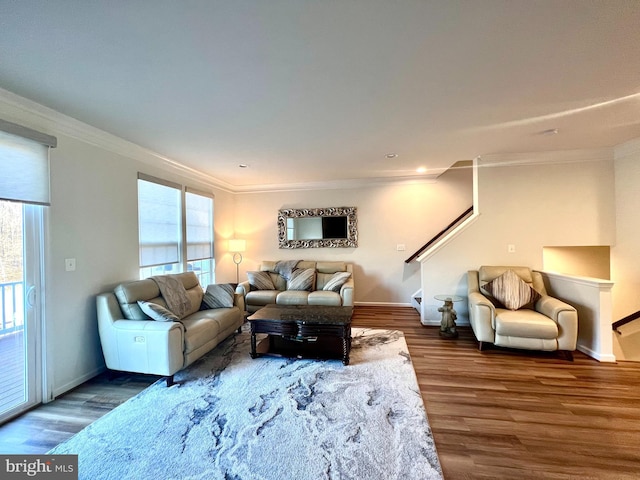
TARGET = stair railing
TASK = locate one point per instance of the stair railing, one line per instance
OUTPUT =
(623, 321)
(441, 234)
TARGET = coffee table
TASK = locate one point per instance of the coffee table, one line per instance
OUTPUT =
(302, 331)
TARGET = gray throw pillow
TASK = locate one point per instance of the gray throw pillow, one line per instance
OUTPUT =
(219, 295)
(302, 279)
(335, 283)
(260, 281)
(157, 312)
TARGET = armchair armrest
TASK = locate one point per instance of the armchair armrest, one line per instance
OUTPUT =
(482, 314)
(565, 316)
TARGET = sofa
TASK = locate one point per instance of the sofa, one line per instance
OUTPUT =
(510, 307)
(298, 282)
(140, 333)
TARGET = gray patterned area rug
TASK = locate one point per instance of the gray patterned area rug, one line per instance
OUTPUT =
(234, 418)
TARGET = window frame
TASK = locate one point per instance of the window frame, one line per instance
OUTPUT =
(204, 268)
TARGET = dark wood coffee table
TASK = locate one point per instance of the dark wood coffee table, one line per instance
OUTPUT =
(302, 331)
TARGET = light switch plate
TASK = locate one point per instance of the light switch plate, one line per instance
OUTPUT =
(70, 264)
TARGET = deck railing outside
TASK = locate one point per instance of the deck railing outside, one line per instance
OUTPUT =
(11, 300)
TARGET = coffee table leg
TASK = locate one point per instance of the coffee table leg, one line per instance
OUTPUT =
(253, 342)
(346, 345)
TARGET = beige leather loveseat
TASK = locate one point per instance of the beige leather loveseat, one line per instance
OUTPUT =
(540, 323)
(133, 342)
(331, 284)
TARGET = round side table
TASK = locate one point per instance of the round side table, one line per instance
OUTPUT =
(448, 323)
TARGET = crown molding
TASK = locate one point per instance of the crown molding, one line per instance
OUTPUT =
(536, 158)
(339, 184)
(55, 123)
(627, 149)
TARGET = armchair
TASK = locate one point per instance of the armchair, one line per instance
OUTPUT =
(531, 319)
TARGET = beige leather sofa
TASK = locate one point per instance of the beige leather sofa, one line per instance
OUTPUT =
(549, 325)
(133, 342)
(256, 299)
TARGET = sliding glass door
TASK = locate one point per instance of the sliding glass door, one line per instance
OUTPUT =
(20, 319)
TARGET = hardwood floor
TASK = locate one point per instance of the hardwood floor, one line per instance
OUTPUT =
(495, 414)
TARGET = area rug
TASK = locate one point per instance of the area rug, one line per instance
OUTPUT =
(231, 417)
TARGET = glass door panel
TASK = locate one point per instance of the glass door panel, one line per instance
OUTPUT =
(20, 359)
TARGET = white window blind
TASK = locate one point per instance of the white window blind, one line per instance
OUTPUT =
(24, 164)
(199, 219)
(159, 223)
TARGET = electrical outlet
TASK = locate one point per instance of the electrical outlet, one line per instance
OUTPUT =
(400, 247)
(139, 339)
(511, 248)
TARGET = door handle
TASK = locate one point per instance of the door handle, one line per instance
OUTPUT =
(30, 297)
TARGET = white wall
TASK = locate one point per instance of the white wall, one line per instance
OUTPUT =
(531, 206)
(388, 215)
(93, 218)
(626, 251)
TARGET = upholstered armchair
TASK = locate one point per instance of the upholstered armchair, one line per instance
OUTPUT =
(509, 307)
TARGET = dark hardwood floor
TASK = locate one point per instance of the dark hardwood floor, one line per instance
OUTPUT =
(495, 414)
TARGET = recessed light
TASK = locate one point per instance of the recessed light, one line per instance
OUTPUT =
(391, 155)
(243, 165)
(421, 169)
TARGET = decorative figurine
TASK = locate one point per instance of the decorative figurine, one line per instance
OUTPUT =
(448, 323)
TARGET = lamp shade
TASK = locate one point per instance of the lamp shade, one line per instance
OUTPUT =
(236, 245)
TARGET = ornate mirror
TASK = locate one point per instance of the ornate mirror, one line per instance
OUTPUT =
(318, 227)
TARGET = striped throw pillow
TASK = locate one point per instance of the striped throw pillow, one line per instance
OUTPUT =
(513, 292)
(302, 279)
(335, 283)
(157, 312)
(260, 281)
(219, 295)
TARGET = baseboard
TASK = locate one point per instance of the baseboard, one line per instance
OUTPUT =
(382, 304)
(77, 381)
(433, 323)
(598, 356)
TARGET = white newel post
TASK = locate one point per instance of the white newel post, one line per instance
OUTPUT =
(592, 298)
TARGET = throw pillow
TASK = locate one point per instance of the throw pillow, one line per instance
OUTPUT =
(513, 292)
(335, 283)
(260, 281)
(157, 312)
(302, 279)
(219, 295)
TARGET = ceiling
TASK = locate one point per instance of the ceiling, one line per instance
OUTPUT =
(307, 91)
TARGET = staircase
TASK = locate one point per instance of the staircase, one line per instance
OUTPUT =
(626, 338)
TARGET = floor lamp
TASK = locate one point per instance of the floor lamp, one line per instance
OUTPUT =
(237, 247)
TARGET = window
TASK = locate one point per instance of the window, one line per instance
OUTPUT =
(175, 228)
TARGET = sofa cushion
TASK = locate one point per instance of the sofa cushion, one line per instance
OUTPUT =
(336, 281)
(512, 291)
(219, 295)
(157, 312)
(322, 297)
(292, 297)
(260, 281)
(302, 279)
(262, 297)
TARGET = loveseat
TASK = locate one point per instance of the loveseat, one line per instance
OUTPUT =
(161, 342)
(510, 307)
(298, 282)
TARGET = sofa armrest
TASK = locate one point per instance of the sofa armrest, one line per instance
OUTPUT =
(566, 316)
(243, 288)
(238, 301)
(347, 293)
(142, 346)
